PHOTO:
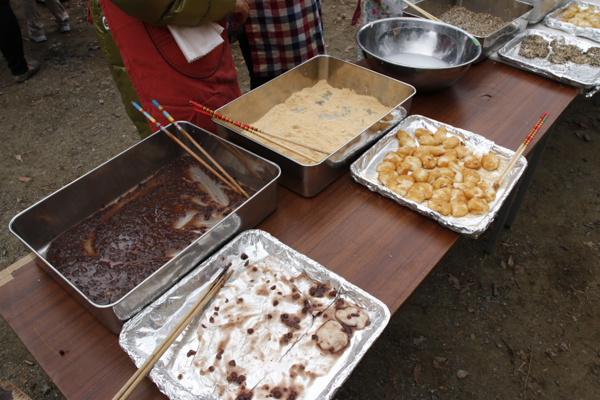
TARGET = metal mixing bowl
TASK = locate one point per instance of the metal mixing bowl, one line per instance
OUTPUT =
(427, 54)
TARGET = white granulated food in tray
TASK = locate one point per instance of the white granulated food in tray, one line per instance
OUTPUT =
(321, 116)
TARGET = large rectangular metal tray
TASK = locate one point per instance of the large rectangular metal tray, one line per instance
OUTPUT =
(175, 374)
(552, 21)
(585, 77)
(514, 11)
(309, 180)
(363, 171)
(41, 223)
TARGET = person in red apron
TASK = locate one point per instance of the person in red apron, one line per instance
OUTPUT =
(147, 64)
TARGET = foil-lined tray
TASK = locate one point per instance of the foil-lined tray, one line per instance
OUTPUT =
(552, 21)
(583, 76)
(176, 375)
(363, 171)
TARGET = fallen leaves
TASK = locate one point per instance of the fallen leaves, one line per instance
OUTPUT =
(438, 362)
(454, 282)
(417, 372)
(419, 340)
(24, 178)
(18, 157)
(461, 374)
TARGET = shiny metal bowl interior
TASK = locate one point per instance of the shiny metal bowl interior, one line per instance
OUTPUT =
(447, 50)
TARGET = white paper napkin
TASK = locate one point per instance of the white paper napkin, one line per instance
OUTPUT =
(197, 41)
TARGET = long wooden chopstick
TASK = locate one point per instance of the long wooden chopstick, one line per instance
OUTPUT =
(179, 142)
(187, 135)
(198, 306)
(521, 148)
(419, 9)
(254, 130)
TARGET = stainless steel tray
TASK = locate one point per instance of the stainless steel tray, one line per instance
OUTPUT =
(41, 223)
(309, 180)
(590, 33)
(516, 12)
(175, 373)
(541, 8)
(363, 171)
(585, 77)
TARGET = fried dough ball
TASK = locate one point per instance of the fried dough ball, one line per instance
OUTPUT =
(458, 196)
(435, 150)
(402, 135)
(451, 152)
(409, 142)
(444, 193)
(472, 162)
(419, 192)
(420, 175)
(461, 152)
(408, 178)
(459, 208)
(441, 206)
(387, 176)
(405, 151)
(353, 317)
(403, 168)
(428, 140)
(414, 162)
(428, 161)
(441, 134)
(444, 160)
(422, 132)
(447, 173)
(392, 157)
(471, 176)
(474, 192)
(451, 142)
(490, 161)
(489, 193)
(332, 336)
(457, 169)
(420, 152)
(433, 176)
(442, 183)
(385, 166)
(399, 187)
(478, 206)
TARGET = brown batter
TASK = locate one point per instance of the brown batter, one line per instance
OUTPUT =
(111, 252)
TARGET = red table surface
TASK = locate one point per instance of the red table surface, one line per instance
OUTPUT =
(371, 241)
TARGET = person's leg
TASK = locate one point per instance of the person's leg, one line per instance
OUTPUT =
(11, 42)
(60, 15)
(255, 81)
(35, 27)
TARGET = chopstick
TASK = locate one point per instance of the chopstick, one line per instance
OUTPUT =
(172, 120)
(198, 306)
(260, 133)
(179, 142)
(425, 13)
(522, 147)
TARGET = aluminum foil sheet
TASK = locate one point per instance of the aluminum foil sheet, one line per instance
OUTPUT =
(363, 171)
(586, 77)
(552, 21)
(177, 375)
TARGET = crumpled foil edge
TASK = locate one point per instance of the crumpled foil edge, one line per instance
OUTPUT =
(551, 21)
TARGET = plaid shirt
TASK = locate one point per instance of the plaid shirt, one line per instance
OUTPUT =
(283, 34)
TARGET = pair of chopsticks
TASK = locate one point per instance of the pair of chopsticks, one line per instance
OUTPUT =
(522, 147)
(258, 132)
(198, 306)
(229, 180)
(425, 13)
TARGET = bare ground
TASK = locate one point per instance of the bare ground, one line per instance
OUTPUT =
(519, 323)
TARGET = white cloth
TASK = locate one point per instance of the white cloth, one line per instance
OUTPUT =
(197, 41)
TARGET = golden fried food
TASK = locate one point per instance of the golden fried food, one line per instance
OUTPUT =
(387, 176)
(427, 140)
(459, 209)
(458, 195)
(385, 166)
(428, 161)
(420, 175)
(451, 152)
(451, 142)
(441, 206)
(444, 160)
(392, 157)
(582, 17)
(490, 161)
(478, 206)
(403, 135)
(441, 134)
(447, 173)
(435, 150)
(405, 151)
(461, 152)
(403, 168)
(471, 176)
(414, 162)
(408, 178)
(409, 142)
(399, 187)
(422, 132)
(472, 162)
(433, 176)
(442, 183)
(444, 193)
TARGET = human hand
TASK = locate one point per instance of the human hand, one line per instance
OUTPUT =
(242, 9)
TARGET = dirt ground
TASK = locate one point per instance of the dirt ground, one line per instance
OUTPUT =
(519, 323)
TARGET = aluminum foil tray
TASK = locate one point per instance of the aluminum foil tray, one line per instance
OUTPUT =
(363, 171)
(552, 21)
(176, 375)
(585, 77)
(541, 8)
